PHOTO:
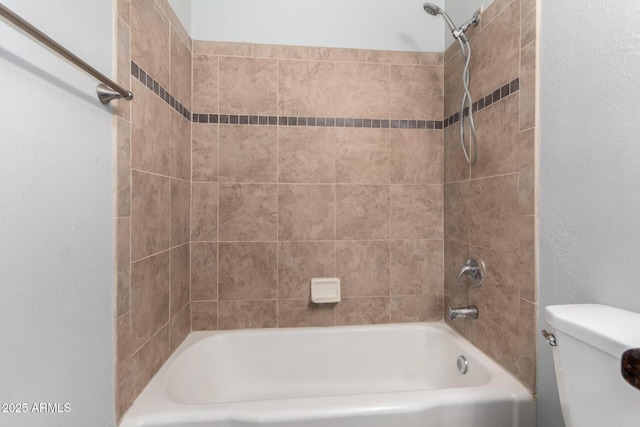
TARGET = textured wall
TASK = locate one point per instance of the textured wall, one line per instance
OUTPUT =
(56, 236)
(490, 207)
(153, 193)
(344, 193)
(589, 165)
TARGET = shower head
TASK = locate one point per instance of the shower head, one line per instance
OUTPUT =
(434, 10)
(458, 33)
(431, 9)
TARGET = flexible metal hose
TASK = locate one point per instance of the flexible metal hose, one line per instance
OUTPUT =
(472, 156)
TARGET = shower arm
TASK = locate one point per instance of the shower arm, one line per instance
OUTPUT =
(475, 20)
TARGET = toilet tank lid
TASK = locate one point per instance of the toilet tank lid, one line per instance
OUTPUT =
(610, 329)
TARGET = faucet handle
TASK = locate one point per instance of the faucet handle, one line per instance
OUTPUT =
(470, 268)
(475, 269)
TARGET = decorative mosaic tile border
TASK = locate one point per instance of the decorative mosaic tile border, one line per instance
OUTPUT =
(234, 119)
(316, 121)
(151, 83)
(486, 101)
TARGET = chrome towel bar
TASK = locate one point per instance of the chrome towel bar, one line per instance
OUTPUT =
(107, 90)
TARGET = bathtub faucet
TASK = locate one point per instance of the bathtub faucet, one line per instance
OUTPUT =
(468, 312)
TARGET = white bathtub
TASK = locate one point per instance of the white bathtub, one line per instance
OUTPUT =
(373, 376)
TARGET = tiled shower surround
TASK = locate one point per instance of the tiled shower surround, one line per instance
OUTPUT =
(153, 195)
(244, 170)
(490, 208)
(301, 169)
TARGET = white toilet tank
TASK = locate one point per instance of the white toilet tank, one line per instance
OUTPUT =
(590, 341)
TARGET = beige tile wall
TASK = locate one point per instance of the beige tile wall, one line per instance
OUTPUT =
(153, 196)
(274, 206)
(490, 208)
(222, 226)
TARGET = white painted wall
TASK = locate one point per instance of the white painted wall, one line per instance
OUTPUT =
(589, 164)
(363, 24)
(56, 218)
(182, 8)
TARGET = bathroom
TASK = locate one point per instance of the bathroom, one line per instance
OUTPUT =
(271, 142)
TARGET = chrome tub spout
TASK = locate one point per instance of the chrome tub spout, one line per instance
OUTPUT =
(468, 312)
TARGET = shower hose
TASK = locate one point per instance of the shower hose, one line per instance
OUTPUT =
(470, 156)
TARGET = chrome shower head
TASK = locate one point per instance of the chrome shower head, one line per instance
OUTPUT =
(431, 9)
(434, 10)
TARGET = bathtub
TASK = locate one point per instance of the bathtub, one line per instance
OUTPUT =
(374, 376)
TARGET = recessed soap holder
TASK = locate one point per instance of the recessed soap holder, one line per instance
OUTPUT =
(325, 290)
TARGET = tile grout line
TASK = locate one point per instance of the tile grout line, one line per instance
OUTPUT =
(519, 123)
(310, 241)
(480, 178)
(218, 203)
(334, 150)
(390, 206)
(171, 84)
(277, 195)
(130, 261)
(150, 338)
(170, 251)
(159, 252)
(418, 55)
(190, 190)
(160, 175)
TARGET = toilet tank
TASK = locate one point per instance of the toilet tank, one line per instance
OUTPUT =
(590, 341)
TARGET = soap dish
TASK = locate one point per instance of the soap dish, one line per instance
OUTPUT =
(325, 290)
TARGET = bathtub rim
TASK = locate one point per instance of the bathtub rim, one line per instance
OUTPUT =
(154, 406)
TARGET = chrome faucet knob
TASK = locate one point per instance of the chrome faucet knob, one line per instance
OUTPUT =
(475, 269)
(470, 268)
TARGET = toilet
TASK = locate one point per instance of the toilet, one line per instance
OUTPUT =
(589, 342)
